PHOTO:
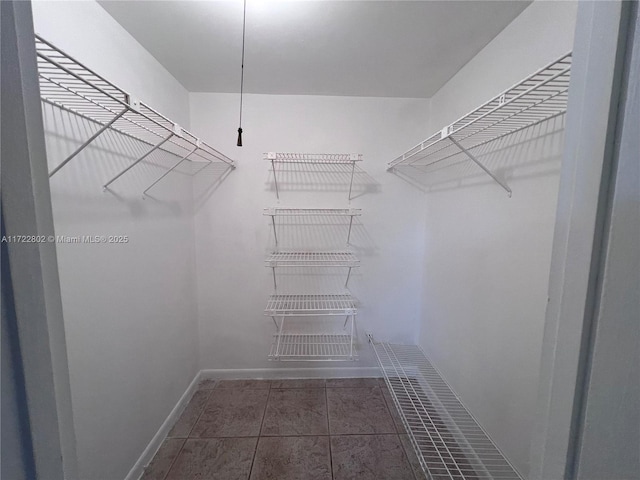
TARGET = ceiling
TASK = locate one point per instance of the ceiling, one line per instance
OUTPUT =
(315, 47)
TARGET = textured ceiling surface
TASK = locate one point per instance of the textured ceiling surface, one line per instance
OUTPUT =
(360, 48)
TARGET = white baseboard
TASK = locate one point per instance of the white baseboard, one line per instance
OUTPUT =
(225, 374)
(282, 373)
(147, 455)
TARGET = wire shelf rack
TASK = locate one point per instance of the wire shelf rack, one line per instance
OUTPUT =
(449, 442)
(317, 347)
(304, 212)
(310, 305)
(73, 87)
(312, 259)
(538, 98)
(313, 159)
(275, 212)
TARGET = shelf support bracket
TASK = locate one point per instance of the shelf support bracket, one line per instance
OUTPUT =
(157, 146)
(91, 139)
(275, 180)
(206, 164)
(171, 169)
(477, 162)
(350, 225)
(273, 222)
(346, 284)
(275, 285)
(353, 168)
(353, 321)
(277, 355)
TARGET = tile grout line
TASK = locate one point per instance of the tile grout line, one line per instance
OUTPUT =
(384, 397)
(326, 399)
(201, 413)
(264, 414)
(184, 441)
(188, 435)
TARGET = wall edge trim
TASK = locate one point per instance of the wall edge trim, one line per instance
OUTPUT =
(156, 441)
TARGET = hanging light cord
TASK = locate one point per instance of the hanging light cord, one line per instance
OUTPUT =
(244, 24)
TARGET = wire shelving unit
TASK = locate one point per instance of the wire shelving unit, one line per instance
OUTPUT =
(311, 212)
(71, 86)
(316, 337)
(449, 442)
(312, 259)
(539, 97)
(313, 159)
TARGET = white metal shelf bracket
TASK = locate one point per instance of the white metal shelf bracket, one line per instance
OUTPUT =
(186, 157)
(480, 164)
(353, 171)
(272, 157)
(149, 152)
(275, 234)
(91, 139)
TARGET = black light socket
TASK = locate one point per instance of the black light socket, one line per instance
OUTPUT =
(239, 137)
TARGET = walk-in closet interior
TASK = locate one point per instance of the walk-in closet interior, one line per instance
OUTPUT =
(376, 256)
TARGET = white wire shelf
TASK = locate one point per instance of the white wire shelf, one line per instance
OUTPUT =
(73, 87)
(318, 347)
(310, 305)
(313, 158)
(305, 212)
(312, 212)
(449, 442)
(312, 259)
(538, 98)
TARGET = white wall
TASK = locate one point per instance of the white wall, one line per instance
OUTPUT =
(233, 237)
(129, 309)
(487, 256)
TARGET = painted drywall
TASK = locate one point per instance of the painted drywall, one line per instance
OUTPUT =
(129, 308)
(487, 256)
(233, 237)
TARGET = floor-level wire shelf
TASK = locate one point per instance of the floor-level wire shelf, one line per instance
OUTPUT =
(449, 442)
(68, 84)
(537, 98)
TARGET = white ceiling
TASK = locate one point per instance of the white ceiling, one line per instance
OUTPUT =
(315, 47)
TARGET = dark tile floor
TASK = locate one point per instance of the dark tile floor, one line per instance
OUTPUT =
(335, 429)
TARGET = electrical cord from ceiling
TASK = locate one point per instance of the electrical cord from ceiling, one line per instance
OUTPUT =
(244, 25)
